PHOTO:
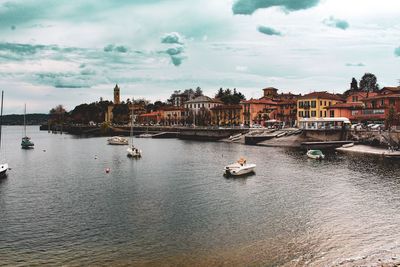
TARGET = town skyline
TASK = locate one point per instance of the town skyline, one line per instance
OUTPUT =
(72, 53)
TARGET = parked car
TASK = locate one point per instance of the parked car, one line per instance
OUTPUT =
(256, 125)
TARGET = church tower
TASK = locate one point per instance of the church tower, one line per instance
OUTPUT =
(116, 95)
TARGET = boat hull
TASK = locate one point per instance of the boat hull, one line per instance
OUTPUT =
(238, 170)
(3, 170)
(315, 156)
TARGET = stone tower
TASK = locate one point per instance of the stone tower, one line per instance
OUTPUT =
(116, 95)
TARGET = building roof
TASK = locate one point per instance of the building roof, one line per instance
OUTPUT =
(380, 96)
(322, 95)
(151, 114)
(264, 101)
(271, 88)
(225, 107)
(172, 108)
(347, 105)
(391, 88)
(203, 98)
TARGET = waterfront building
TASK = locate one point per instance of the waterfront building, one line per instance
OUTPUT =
(173, 115)
(377, 106)
(227, 115)
(178, 98)
(117, 96)
(315, 105)
(351, 107)
(258, 111)
(152, 118)
(198, 110)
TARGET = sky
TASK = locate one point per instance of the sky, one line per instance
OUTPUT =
(71, 52)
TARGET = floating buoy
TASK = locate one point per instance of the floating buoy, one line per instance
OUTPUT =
(107, 170)
(95, 156)
(44, 150)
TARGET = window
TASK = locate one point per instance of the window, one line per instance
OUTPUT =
(202, 105)
(301, 104)
(392, 102)
(320, 113)
(329, 103)
(313, 104)
(313, 113)
(355, 98)
(382, 102)
(324, 103)
(325, 113)
(307, 114)
(332, 113)
(190, 105)
(300, 113)
(373, 104)
(320, 103)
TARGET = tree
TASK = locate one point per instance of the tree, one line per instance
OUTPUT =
(391, 118)
(228, 98)
(368, 83)
(220, 93)
(354, 84)
(198, 92)
(58, 114)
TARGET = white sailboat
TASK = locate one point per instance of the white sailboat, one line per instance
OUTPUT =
(133, 152)
(3, 166)
(26, 141)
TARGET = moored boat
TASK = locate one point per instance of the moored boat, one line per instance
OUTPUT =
(145, 135)
(26, 141)
(348, 145)
(241, 167)
(134, 152)
(117, 140)
(3, 166)
(315, 154)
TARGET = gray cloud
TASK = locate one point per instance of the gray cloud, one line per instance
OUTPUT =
(355, 64)
(114, 48)
(172, 38)
(336, 23)
(176, 52)
(248, 7)
(397, 51)
(268, 30)
(63, 80)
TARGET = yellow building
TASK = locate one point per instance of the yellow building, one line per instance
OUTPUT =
(314, 105)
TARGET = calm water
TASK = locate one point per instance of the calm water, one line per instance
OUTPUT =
(174, 207)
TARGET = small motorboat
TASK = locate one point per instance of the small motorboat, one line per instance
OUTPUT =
(241, 167)
(145, 135)
(117, 140)
(315, 154)
(134, 152)
(26, 143)
(348, 145)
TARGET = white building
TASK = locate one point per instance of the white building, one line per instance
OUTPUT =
(201, 102)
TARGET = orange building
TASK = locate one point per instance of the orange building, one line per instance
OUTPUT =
(152, 118)
(173, 115)
(258, 111)
(227, 115)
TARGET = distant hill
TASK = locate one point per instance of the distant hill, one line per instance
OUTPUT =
(31, 119)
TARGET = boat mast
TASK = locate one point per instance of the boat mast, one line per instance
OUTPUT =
(131, 133)
(1, 114)
(25, 121)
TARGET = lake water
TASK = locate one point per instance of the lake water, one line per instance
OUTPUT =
(58, 206)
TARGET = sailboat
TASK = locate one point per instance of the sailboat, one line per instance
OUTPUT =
(3, 166)
(26, 142)
(133, 152)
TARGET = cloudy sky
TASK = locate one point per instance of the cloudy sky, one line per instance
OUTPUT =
(69, 51)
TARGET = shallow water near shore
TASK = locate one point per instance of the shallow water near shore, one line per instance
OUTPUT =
(173, 206)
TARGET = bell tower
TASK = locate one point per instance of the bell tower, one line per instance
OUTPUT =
(116, 95)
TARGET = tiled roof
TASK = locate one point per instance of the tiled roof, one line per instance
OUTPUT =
(204, 98)
(259, 101)
(322, 95)
(346, 105)
(222, 107)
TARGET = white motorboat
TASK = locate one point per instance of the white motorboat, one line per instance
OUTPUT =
(117, 140)
(241, 167)
(145, 135)
(3, 169)
(315, 154)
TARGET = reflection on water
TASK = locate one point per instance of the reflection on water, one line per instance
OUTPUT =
(174, 207)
